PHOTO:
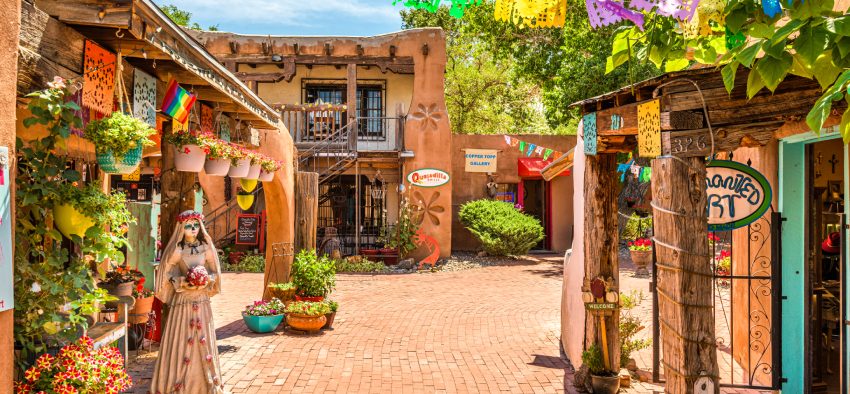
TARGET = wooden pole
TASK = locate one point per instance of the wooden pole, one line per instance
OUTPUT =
(176, 188)
(351, 92)
(601, 239)
(685, 281)
(306, 210)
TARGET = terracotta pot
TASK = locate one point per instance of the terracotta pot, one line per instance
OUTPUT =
(308, 298)
(71, 221)
(330, 320)
(119, 290)
(605, 384)
(390, 256)
(305, 323)
(254, 171)
(189, 158)
(141, 309)
(641, 258)
(240, 169)
(369, 252)
(217, 167)
(266, 176)
(126, 164)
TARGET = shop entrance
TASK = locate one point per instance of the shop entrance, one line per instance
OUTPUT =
(534, 197)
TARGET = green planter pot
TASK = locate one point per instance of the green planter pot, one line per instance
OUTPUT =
(262, 324)
(71, 221)
(127, 164)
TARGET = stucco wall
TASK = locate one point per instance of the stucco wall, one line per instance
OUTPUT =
(572, 307)
(10, 14)
(472, 185)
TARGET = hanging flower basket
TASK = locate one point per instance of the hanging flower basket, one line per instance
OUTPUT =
(217, 167)
(245, 201)
(71, 221)
(240, 170)
(247, 184)
(254, 172)
(189, 158)
(266, 176)
(112, 164)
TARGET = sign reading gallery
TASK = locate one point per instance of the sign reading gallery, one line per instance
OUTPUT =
(481, 160)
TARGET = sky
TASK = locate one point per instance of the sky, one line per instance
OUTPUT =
(295, 17)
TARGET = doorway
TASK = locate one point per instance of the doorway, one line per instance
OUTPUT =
(534, 197)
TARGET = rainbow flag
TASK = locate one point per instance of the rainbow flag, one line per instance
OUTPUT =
(177, 102)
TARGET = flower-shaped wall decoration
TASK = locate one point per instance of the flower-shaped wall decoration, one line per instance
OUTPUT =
(428, 116)
(423, 208)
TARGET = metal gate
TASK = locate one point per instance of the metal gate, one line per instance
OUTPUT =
(747, 306)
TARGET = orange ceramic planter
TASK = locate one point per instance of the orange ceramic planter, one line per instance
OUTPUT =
(305, 323)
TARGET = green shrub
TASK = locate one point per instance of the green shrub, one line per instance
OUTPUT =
(248, 263)
(313, 276)
(636, 227)
(501, 228)
(630, 325)
(363, 266)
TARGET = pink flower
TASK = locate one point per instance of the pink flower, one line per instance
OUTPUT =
(58, 83)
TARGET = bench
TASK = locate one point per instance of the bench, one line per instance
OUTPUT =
(105, 333)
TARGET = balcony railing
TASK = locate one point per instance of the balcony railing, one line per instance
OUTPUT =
(311, 125)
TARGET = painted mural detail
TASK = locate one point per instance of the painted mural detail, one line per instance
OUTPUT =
(429, 116)
(429, 208)
(737, 195)
(423, 240)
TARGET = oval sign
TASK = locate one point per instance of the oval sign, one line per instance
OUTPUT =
(737, 195)
(428, 177)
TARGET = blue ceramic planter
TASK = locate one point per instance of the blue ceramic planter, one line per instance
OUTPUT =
(262, 324)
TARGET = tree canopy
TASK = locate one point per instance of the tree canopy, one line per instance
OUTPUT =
(184, 18)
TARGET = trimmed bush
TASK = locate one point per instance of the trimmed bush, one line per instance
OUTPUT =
(502, 229)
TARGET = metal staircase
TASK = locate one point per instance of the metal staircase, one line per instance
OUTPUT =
(331, 156)
(221, 221)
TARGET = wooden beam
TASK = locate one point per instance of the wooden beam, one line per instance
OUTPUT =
(685, 278)
(46, 48)
(681, 120)
(306, 210)
(396, 64)
(697, 143)
(117, 14)
(351, 91)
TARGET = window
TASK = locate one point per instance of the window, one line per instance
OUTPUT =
(370, 105)
(506, 192)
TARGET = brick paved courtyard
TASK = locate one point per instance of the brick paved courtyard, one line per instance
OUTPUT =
(481, 330)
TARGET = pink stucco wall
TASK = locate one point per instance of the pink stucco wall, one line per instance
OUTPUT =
(572, 307)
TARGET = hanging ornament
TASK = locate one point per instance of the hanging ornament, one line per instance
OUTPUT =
(538, 150)
(530, 149)
(531, 13)
(457, 8)
(546, 154)
(682, 10)
(522, 146)
(771, 7)
(607, 12)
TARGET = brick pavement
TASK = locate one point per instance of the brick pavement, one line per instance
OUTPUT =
(492, 329)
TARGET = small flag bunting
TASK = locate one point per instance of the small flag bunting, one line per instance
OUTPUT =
(546, 154)
(530, 149)
(522, 146)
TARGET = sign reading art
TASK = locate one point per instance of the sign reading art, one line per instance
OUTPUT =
(428, 177)
(481, 160)
(737, 195)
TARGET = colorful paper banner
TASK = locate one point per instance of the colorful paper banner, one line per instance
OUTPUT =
(99, 78)
(649, 129)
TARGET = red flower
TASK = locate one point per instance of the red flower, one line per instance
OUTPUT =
(186, 150)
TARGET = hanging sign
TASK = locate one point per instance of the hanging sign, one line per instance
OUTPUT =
(247, 229)
(481, 160)
(589, 136)
(649, 129)
(7, 299)
(737, 195)
(428, 177)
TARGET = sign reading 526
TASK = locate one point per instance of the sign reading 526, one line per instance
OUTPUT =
(737, 195)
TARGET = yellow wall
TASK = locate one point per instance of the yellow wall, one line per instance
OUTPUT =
(399, 86)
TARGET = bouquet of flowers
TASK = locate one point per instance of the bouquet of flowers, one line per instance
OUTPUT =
(78, 367)
(198, 276)
(265, 308)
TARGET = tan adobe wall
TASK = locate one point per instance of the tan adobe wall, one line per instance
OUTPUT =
(472, 185)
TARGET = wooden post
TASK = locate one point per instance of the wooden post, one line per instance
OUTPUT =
(351, 92)
(177, 192)
(601, 241)
(685, 281)
(306, 210)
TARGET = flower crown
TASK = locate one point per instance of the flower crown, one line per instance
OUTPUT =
(189, 215)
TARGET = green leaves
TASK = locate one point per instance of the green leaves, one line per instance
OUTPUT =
(754, 84)
(773, 70)
(811, 43)
(821, 110)
(728, 72)
(746, 56)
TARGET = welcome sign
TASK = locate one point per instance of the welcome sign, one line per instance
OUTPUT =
(428, 177)
(737, 195)
(481, 160)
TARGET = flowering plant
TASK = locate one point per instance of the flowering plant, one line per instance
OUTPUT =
(712, 239)
(185, 137)
(270, 165)
(141, 292)
(308, 308)
(216, 149)
(255, 157)
(641, 244)
(236, 153)
(198, 276)
(77, 368)
(265, 308)
(122, 274)
(723, 262)
(119, 133)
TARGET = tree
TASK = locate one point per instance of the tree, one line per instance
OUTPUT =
(183, 18)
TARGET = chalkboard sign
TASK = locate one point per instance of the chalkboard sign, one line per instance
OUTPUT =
(247, 229)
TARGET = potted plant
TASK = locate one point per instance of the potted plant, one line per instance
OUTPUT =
(218, 158)
(723, 266)
(119, 140)
(283, 291)
(268, 167)
(240, 164)
(190, 150)
(641, 252)
(603, 380)
(263, 316)
(307, 315)
(332, 308)
(143, 305)
(314, 276)
(120, 281)
(254, 169)
(86, 370)
(78, 209)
